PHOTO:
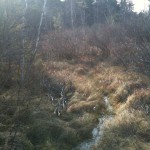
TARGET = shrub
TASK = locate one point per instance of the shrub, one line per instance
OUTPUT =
(41, 131)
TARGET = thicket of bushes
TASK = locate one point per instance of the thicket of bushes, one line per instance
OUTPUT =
(123, 44)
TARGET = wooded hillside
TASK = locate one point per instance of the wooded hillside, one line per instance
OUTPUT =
(59, 63)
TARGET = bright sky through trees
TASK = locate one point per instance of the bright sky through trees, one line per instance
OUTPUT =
(140, 5)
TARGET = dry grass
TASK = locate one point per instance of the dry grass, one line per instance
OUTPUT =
(128, 130)
(139, 100)
(91, 84)
(128, 92)
(130, 96)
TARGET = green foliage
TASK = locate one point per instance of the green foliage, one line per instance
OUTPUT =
(2, 141)
(41, 131)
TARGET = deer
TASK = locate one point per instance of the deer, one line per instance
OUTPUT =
(59, 103)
